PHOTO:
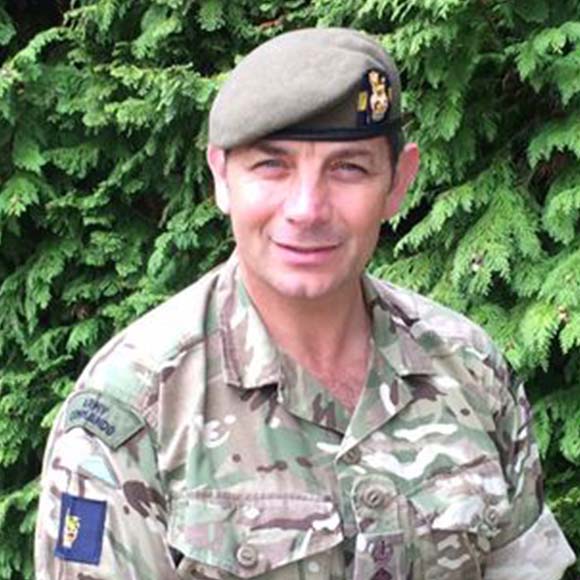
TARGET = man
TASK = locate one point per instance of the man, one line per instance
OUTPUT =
(287, 416)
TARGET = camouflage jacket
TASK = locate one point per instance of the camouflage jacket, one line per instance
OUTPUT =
(193, 448)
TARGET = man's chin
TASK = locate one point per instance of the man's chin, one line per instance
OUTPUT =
(304, 288)
(306, 284)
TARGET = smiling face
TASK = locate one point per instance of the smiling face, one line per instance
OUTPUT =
(306, 215)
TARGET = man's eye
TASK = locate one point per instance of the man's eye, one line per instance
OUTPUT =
(269, 164)
(345, 166)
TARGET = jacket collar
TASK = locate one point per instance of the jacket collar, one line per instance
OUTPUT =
(249, 355)
(395, 319)
(251, 359)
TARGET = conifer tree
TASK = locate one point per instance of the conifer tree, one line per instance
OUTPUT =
(106, 207)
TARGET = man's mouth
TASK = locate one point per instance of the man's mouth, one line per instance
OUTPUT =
(305, 255)
(305, 249)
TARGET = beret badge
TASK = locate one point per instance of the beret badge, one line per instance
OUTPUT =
(374, 98)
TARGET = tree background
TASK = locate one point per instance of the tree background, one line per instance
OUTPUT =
(106, 208)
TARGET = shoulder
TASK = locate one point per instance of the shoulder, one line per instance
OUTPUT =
(425, 316)
(126, 371)
(441, 331)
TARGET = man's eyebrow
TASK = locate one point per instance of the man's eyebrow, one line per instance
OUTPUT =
(352, 152)
(269, 148)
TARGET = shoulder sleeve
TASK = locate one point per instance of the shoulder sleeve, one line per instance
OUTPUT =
(531, 546)
(102, 511)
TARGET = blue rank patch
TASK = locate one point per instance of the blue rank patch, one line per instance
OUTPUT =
(81, 529)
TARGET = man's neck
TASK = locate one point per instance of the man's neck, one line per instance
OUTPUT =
(318, 333)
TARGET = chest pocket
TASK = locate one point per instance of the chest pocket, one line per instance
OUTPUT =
(440, 531)
(230, 535)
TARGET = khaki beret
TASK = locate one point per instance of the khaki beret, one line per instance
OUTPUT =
(329, 84)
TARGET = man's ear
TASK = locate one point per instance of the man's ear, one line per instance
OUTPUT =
(404, 174)
(216, 159)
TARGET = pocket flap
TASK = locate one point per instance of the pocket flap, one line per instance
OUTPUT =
(472, 499)
(249, 534)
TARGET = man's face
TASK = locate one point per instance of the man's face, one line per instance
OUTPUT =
(306, 215)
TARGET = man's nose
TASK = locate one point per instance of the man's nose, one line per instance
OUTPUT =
(307, 201)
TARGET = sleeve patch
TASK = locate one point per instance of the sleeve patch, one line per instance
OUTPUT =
(104, 416)
(81, 529)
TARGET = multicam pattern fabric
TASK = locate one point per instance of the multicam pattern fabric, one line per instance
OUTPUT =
(219, 457)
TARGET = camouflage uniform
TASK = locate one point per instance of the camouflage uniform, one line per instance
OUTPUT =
(216, 456)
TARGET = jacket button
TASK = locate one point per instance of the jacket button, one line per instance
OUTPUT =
(352, 456)
(374, 496)
(247, 556)
(489, 524)
(492, 516)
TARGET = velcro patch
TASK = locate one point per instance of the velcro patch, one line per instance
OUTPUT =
(104, 416)
(81, 529)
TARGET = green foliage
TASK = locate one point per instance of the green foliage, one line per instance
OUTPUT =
(105, 208)
(7, 29)
(17, 540)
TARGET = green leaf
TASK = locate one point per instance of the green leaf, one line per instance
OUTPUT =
(570, 443)
(418, 272)
(538, 327)
(543, 426)
(7, 29)
(561, 135)
(77, 160)
(564, 73)
(562, 283)
(532, 10)
(26, 152)
(157, 25)
(549, 40)
(84, 334)
(562, 208)
(27, 61)
(17, 194)
(442, 112)
(570, 335)
(211, 15)
(132, 113)
(47, 346)
(47, 264)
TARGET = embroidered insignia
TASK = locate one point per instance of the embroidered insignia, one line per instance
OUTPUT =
(71, 530)
(374, 98)
(104, 416)
(81, 529)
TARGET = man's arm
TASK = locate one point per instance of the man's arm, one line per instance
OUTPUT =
(102, 512)
(531, 546)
